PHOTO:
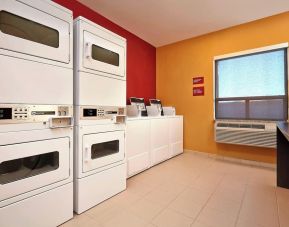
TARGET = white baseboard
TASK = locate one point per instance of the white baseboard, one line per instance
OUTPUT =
(235, 160)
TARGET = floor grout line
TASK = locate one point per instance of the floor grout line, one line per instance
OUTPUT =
(278, 209)
(242, 201)
(167, 207)
(196, 218)
(193, 172)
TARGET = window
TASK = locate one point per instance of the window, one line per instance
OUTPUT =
(104, 149)
(104, 55)
(18, 169)
(26, 29)
(252, 86)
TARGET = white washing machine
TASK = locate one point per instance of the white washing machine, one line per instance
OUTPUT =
(100, 101)
(36, 109)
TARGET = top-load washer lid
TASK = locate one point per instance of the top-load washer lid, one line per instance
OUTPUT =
(140, 104)
(158, 104)
(38, 29)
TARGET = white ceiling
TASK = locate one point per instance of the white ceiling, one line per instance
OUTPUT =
(162, 22)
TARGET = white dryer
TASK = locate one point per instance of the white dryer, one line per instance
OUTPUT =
(100, 65)
(35, 165)
(36, 109)
(100, 102)
(100, 166)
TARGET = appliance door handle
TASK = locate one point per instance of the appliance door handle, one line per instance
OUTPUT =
(88, 50)
(86, 154)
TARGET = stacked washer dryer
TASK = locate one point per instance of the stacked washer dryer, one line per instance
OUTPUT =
(100, 100)
(36, 125)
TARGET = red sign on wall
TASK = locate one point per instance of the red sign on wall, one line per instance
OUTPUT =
(198, 91)
(198, 80)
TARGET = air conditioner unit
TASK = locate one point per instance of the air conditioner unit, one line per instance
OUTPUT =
(258, 134)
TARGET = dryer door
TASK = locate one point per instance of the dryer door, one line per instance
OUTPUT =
(102, 149)
(27, 30)
(103, 55)
(31, 165)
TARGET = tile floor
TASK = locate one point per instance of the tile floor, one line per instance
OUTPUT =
(197, 191)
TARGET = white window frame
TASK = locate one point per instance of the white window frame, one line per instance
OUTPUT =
(247, 52)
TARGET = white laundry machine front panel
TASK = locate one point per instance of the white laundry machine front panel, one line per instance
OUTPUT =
(34, 83)
(48, 209)
(31, 165)
(99, 90)
(102, 149)
(96, 188)
(34, 161)
(38, 29)
(99, 50)
(88, 140)
(102, 55)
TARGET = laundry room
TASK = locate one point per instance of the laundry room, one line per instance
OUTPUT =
(144, 113)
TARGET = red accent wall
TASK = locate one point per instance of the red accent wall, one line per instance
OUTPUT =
(141, 56)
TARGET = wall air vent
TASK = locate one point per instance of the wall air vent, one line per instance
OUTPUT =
(245, 133)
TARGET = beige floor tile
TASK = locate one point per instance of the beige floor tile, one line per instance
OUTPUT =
(283, 216)
(205, 184)
(283, 206)
(196, 195)
(260, 212)
(231, 208)
(81, 220)
(248, 223)
(139, 187)
(197, 190)
(125, 219)
(262, 176)
(145, 209)
(235, 195)
(100, 209)
(112, 206)
(108, 214)
(216, 218)
(172, 186)
(169, 218)
(186, 207)
(126, 197)
(200, 224)
(282, 194)
(160, 197)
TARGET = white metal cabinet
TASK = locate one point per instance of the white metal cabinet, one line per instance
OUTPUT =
(137, 145)
(176, 135)
(159, 140)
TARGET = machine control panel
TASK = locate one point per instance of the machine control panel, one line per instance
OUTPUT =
(100, 112)
(20, 113)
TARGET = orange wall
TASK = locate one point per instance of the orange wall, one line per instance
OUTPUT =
(179, 62)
